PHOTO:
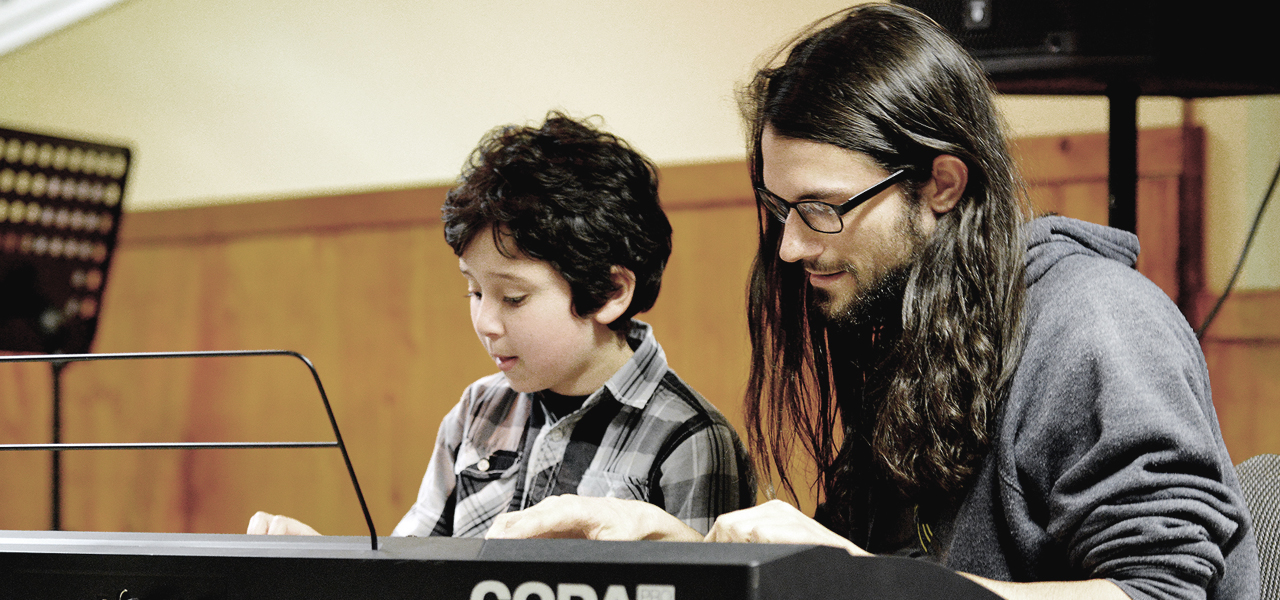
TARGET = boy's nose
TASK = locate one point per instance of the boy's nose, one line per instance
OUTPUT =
(485, 321)
(798, 240)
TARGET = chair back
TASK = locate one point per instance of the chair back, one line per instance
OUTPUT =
(1260, 481)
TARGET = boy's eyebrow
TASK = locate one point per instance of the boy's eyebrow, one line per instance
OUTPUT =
(500, 275)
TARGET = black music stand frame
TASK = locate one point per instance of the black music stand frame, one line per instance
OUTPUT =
(55, 458)
(61, 360)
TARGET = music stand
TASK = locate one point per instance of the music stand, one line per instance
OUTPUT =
(60, 208)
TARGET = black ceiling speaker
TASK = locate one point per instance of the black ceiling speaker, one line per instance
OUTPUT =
(1084, 46)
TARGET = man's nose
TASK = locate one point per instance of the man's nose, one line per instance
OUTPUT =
(799, 242)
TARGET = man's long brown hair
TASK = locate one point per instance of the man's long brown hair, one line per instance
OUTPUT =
(911, 403)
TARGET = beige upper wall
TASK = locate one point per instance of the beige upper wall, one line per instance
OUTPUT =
(250, 99)
(1242, 151)
(241, 100)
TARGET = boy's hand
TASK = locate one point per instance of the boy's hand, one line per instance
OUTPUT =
(262, 523)
(570, 516)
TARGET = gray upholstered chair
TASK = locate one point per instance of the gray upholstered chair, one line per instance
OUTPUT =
(1260, 480)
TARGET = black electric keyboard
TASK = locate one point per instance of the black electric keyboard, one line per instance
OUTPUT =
(156, 566)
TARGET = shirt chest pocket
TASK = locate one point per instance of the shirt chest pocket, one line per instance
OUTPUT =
(606, 484)
(499, 469)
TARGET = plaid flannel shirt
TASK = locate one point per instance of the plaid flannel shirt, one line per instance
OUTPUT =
(644, 435)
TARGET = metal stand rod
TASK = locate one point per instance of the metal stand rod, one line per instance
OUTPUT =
(1122, 156)
(55, 500)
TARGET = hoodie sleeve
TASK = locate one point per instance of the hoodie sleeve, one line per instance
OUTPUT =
(1117, 455)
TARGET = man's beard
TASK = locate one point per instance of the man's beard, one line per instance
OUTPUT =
(879, 305)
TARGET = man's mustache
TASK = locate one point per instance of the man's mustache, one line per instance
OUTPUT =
(816, 267)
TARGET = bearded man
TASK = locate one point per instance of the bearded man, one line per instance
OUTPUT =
(1004, 396)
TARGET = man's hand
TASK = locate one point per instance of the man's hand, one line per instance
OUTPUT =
(570, 516)
(1094, 589)
(780, 523)
(268, 524)
(776, 522)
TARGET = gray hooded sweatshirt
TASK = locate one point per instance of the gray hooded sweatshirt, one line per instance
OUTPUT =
(1108, 461)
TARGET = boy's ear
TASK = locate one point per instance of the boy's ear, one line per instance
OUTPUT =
(944, 189)
(624, 282)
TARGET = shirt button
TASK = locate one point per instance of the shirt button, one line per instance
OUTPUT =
(483, 465)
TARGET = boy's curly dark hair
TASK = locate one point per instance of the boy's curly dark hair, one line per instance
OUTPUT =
(579, 198)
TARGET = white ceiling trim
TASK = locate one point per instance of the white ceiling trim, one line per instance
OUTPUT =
(24, 21)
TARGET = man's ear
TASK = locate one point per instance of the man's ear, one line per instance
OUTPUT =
(946, 187)
(624, 282)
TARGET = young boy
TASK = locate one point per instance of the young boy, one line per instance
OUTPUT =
(562, 240)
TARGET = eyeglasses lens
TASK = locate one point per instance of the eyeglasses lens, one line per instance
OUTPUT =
(774, 205)
(820, 217)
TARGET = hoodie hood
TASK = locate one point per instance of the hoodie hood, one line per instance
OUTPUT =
(1051, 239)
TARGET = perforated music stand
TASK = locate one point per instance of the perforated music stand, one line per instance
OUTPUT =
(60, 208)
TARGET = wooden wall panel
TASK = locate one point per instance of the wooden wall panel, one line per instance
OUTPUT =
(1067, 175)
(25, 398)
(1079, 200)
(1158, 232)
(1246, 392)
(364, 285)
(1242, 347)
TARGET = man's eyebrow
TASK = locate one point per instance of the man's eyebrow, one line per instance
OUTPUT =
(821, 194)
(814, 194)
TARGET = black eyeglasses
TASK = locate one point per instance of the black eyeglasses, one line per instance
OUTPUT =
(821, 216)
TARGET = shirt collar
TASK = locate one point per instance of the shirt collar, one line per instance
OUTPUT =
(636, 381)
